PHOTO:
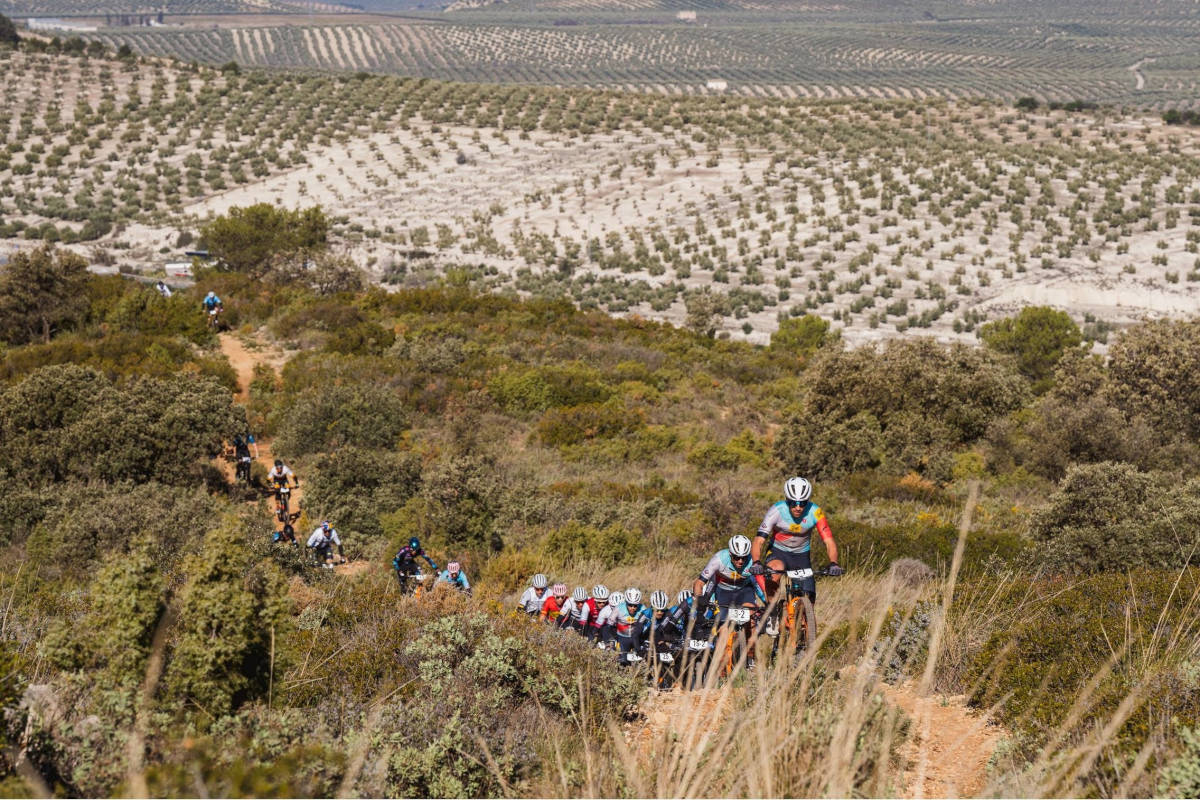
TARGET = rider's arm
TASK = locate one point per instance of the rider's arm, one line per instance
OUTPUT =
(826, 535)
(315, 539)
(546, 609)
(525, 598)
(462, 579)
(429, 561)
(338, 542)
(253, 442)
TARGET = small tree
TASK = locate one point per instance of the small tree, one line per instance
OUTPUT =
(801, 336)
(41, 291)
(8, 32)
(704, 311)
(1037, 337)
(246, 239)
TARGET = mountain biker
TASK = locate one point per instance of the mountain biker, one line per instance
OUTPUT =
(592, 610)
(552, 609)
(405, 562)
(726, 573)
(241, 453)
(280, 474)
(211, 302)
(784, 539)
(285, 534)
(162, 288)
(535, 595)
(322, 541)
(630, 619)
(573, 610)
(607, 619)
(454, 576)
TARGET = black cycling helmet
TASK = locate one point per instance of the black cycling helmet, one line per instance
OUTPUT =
(414, 543)
(237, 440)
(278, 462)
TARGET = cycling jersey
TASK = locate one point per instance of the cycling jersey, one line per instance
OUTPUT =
(553, 608)
(320, 539)
(531, 601)
(605, 621)
(628, 619)
(459, 581)
(405, 561)
(727, 576)
(212, 302)
(569, 613)
(793, 534)
(281, 475)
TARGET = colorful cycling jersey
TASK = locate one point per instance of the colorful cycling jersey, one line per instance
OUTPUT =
(405, 561)
(459, 581)
(590, 612)
(211, 301)
(607, 616)
(629, 619)
(727, 577)
(793, 534)
(531, 602)
(553, 607)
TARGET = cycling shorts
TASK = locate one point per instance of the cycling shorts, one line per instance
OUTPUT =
(734, 598)
(795, 561)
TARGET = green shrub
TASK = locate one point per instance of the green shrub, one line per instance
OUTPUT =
(245, 239)
(1102, 515)
(68, 421)
(576, 543)
(42, 291)
(325, 418)
(365, 338)
(823, 447)
(801, 337)
(1154, 371)
(118, 355)
(227, 611)
(1036, 338)
(875, 547)
(575, 424)
(526, 391)
(353, 487)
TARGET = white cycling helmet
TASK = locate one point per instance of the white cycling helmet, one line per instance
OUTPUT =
(659, 600)
(616, 598)
(797, 489)
(633, 596)
(580, 594)
(599, 592)
(539, 581)
(739, 546)
(683, 595)
(559, 590)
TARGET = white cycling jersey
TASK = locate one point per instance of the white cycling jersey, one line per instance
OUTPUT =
(283, 475)
(531, 601)
(570, 609)
(607, 616)
(319, 539)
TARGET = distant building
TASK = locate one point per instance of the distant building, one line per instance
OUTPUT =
(51, 24)
(686, 16)
(178, 269)
(717, 85)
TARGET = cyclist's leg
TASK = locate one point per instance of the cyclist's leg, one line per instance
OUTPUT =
(774, 562)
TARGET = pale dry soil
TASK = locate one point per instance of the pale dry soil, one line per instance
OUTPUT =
(946, 754)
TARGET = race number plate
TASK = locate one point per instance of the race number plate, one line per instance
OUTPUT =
(739, 615)
(799, 574)
(697, 644)
(666, 658)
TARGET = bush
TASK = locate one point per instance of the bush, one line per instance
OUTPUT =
(537, 389)
(69, 421)
(1154, 371)
(41, 292)
(1103, 515)
(365, 338)
(801, 337)
(328, 417)
(353, 486)
(576, 543)
(560, 427)
(1036, 338)
(823, 447)
(246, 239)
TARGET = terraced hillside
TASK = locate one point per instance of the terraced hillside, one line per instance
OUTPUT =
(882, 215)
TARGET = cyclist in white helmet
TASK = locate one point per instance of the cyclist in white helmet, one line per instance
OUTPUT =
(784, 539)
(535, 596)
(592, 611)
(573, 610)
(726, 573)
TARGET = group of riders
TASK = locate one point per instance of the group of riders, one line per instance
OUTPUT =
(738, 593)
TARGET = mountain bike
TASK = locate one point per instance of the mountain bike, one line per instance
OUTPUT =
(793, 616)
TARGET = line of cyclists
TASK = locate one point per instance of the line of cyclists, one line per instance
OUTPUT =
(733, 600)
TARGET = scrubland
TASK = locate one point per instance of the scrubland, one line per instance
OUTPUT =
(155, 640)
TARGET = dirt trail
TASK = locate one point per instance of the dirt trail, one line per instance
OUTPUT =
(950, 745)
(947, 752)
